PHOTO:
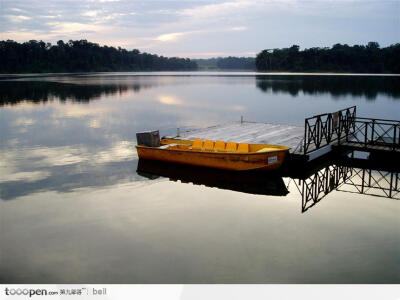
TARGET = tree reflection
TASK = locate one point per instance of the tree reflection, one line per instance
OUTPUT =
(14, 92)
(337, 86)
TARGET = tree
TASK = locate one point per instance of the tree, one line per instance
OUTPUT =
(340, 58)
(81, 56)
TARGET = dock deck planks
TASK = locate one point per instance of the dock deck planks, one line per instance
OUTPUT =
(250, 132)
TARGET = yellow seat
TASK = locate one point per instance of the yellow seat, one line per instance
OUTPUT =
(197, 144)
(208, 145)
(231, 147)
(266, 150)
(219, 146)
(243, 147)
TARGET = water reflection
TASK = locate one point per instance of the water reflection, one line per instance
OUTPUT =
(378, 178)
(314, 181)
(64, 169)
(73, 208)
(13, 92)
(337, 86)
(246, 182)
(72, 142)
(87, 87)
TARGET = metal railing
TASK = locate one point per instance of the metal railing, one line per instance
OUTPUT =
(322, 130)
(375, 132)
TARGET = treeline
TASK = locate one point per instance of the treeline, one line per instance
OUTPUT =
(340, 58)
(227, 63)
(82, 56)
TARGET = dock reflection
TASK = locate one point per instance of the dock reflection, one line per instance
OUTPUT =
(349, 175)
(259, 183)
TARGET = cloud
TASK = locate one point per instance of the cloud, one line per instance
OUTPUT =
(23, 122)
(169, 100)
(17, 18)
(91, 13)
(46, 157)
(24, 176)
(16, 9)
(78, 111)
(203, 26)
(75, 27)
(214, 10)
(239, 28)
(238, 108)
(103, 1)
(94, 123)
(175, 36)
(170, 36)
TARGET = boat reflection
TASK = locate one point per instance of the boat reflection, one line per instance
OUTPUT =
(259, 183)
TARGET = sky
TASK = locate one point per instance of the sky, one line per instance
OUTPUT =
(202, 29)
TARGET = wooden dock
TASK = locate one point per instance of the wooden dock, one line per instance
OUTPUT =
(333, 151)
(340, 132)
(250, 132)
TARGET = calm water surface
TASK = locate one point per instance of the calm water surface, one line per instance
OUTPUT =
(73, 209)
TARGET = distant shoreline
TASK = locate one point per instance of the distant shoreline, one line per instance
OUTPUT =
(198, 73)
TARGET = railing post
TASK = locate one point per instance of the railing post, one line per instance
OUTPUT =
(329, 134)
(305, 136)
(398, 142)
(318, 131)
(354, 118)
(363, 181)
(339, 132)
(372, 131)
(303, 197)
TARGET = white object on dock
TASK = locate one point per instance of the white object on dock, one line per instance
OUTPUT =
(250, 132)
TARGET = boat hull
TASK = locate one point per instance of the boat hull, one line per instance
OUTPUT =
(220, 160)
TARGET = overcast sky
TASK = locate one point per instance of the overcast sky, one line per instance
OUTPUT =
(203, 28)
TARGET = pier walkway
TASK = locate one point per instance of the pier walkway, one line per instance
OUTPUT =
(250, 132)
(341, 132)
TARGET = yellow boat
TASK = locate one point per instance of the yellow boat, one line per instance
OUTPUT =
(216, 154)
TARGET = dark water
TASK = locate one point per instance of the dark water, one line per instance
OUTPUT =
(73, 207)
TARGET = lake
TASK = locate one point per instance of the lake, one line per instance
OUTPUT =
(74, 209)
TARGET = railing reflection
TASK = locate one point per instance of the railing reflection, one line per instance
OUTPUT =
(345, 178)
(318, 185)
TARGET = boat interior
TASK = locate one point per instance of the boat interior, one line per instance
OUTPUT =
(218, 146)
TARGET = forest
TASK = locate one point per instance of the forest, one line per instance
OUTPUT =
(226, 63)
(82, 56)
(370, 58)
